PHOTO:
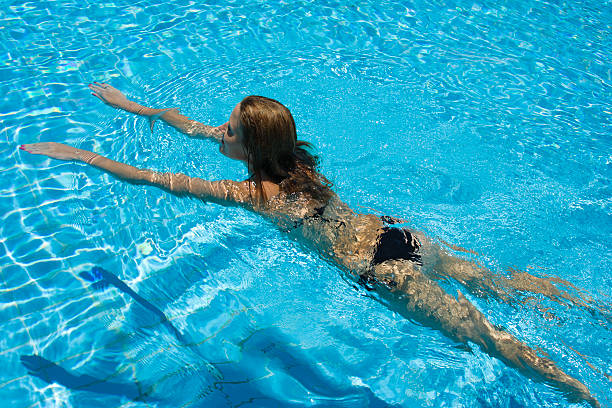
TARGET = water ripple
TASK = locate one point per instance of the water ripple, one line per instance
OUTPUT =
(485, 123)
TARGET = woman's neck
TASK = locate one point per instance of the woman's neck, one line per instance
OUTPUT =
(269, 187)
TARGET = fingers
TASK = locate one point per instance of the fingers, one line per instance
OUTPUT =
(26, 148)
(96, 87)
(30, 148)
(152, 121)
(97, 90)
(101, 85)
(100, 89)
(37, 148)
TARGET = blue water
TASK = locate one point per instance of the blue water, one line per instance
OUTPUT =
(487, 124)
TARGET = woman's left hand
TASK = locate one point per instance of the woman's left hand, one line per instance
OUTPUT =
(54, 150)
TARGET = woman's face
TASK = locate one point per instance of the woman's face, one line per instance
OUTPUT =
(231, 143)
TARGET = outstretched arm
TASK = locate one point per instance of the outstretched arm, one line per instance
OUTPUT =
(115, 98)
(225, 192)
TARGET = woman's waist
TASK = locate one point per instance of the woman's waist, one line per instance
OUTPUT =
(363, 253)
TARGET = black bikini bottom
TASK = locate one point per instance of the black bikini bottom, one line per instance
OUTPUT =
(393, 243)
(396, 243)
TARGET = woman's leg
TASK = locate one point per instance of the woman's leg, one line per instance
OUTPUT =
(417, 297)
(481, 282)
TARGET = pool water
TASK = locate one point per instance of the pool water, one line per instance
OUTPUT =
(486, 124)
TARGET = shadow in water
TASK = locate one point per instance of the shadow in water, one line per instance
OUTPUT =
(102, 278)
(295, 376)
(50, 372)
(296, 380)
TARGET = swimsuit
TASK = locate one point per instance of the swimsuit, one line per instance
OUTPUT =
(396, 243)
(392, 243)
(317, 215)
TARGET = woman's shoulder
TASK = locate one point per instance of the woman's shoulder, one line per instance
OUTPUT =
(271, 189)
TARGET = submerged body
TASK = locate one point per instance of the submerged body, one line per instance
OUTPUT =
(398, 264)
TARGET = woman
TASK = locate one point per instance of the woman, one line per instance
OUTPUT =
(286, 187)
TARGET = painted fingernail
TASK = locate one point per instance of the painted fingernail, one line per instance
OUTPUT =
(21, 147)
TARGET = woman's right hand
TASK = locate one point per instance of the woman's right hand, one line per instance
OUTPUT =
(54, 150)
(109, 95)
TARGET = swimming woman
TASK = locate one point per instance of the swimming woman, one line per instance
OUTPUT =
(285, 187)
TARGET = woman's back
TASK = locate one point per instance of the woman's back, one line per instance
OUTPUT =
(333, 229)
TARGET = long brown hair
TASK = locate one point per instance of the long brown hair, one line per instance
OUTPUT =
(271, 145)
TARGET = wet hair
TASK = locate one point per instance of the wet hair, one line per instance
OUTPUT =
(271, 146)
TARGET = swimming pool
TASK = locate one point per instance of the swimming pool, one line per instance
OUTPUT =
(486, 124)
